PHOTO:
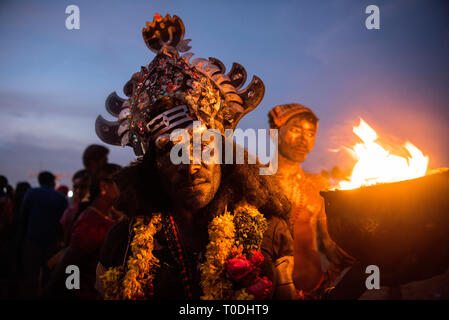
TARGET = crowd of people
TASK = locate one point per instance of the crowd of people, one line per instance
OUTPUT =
(43, 230)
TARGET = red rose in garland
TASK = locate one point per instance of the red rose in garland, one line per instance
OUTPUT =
(261, 288)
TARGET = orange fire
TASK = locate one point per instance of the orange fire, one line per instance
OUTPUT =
(377, 165)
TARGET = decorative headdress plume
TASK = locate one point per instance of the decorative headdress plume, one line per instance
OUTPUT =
(197, 90)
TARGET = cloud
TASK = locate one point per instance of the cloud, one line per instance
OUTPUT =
(19, 104)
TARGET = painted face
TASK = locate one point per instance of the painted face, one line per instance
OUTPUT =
(296, 138)
(190, 186)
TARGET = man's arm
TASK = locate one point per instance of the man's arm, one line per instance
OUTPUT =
(277, 247)
(338, 258)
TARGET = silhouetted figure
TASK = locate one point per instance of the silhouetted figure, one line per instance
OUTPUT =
(64, 190)
(94, 157)
(19, 194)
(6, 207)
(6, 218)
(80, 182)
(41, 211)
(14, 247)
(87, 236)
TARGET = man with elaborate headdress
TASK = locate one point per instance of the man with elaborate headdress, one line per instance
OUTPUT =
(202, 229)
(297, 127)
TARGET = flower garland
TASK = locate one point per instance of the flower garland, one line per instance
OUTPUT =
(233, 257)
(137, 283)
(250, 225)
(230, 271)
(221, 237)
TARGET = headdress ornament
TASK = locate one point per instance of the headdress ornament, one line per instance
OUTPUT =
(280, 114)
(172, 91)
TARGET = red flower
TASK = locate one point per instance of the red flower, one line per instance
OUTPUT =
(257, 258)
(261, 288)
(238, 268)
(250, 278)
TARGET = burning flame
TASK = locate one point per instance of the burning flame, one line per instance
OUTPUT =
(377, 165)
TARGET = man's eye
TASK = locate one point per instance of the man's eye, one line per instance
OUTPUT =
(295, 130)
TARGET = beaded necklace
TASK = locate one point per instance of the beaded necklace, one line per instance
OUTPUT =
(174, 244)
(293, 188)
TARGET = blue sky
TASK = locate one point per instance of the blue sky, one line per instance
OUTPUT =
(53, 82)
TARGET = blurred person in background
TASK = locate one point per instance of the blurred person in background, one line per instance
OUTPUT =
(41, 211)
(87, 236)
(64, 190)
(80, 181)
(14, 257)
(6, 208)
(6, 218)
(94, 157)
(19, 194)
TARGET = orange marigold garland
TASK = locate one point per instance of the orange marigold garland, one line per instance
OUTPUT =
(233, 257)
(221, 237)
(232, 260)
(137, 283)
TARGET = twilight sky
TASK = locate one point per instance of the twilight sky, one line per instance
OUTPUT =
(54, 81)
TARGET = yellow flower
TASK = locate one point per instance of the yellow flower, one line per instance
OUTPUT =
(228, 235)
(140, 267)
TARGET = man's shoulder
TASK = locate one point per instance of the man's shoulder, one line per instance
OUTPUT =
(278, 224)
(34, 190)
(32, 193)
(62, 200)
(44, 190)
(278, 240)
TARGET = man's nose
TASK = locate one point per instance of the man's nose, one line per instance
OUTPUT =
(301, 137)
(187, 170)
(194, 168)
(195, 162)
(191, 168)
